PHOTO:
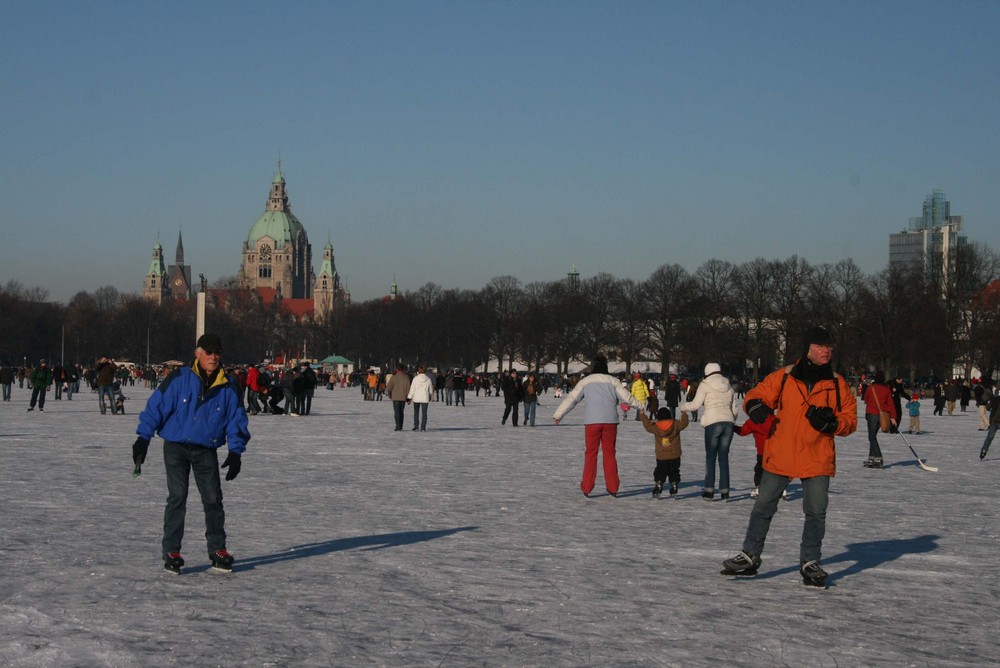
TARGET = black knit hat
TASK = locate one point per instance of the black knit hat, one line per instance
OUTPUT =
(210, 342)
(817, 335)
(664, 413)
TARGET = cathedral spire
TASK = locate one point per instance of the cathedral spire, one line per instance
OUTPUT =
(180, 250)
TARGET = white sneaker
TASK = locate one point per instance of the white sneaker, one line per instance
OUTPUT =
(755, 493)
(784, 494)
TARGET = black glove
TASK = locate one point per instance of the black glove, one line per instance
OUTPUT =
(758, 411)
(233, 463)
(821, 419)
(139, 449)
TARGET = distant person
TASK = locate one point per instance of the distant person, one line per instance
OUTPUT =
(913, 409)
(994, 406)
(421, 392)
(603, 394)
(640, 390)
(878, 398)
(40, 379)
(106, 384)
(7, 376)
(529, 395)
(398, 388)
(195, 410)
(511, 387)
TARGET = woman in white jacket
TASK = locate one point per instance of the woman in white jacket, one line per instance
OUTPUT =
(603, 394)
(421, 391)
(717, 396)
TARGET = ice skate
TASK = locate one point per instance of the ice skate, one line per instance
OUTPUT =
(812, 574)
(173, 562)
(221, 561)
(743, 565)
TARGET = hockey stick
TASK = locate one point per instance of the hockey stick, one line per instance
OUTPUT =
(920, 462)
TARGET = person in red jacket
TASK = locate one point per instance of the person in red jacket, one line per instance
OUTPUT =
(811, 404)
(878, 397)
(760, 433)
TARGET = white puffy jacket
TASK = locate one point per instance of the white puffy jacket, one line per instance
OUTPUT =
(717, 396)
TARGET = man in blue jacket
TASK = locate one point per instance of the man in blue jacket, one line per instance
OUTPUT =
(195, 410)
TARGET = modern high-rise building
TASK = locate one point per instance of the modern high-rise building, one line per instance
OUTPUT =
(931, 240)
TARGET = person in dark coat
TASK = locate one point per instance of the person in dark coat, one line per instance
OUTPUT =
(511, 388)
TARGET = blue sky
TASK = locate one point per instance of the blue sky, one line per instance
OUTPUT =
(451, 142)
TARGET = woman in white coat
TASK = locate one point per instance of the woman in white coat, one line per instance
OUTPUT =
(717, 396)
(421, 391)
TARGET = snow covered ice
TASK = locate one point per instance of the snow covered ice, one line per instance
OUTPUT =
(471, 544)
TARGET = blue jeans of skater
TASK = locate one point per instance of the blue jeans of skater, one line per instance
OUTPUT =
(420, 416)
(459, 396)
(180, 460)
(815, 495)
(718, 437)
(873, 428)
(397, 411)
(109, 392)
(449, 394)
(990, 433)
(529, 412)
(6, 391)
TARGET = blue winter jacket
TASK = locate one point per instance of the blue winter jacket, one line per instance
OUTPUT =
(183, 410)
(603, 394)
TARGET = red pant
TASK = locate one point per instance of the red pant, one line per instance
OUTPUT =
(603, 437)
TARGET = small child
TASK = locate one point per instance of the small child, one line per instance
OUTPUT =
(667, 439)
(913, 405)
(760, 433)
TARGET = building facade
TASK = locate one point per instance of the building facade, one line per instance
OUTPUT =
(931, 241)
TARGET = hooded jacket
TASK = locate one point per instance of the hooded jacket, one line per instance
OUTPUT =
(795, 449)
(183, 410)
(717, 396)
(666, 435)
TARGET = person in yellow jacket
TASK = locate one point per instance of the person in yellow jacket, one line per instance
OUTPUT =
(811, 404)
(640, 390)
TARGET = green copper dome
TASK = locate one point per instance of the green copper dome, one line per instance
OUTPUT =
(282, 226)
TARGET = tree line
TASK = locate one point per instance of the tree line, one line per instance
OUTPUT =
(748, 317)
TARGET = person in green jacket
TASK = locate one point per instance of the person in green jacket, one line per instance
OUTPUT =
(40, 379)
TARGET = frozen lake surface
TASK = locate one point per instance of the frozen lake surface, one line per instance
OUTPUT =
(471, 545)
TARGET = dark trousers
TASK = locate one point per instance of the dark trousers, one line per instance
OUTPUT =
(872, 420)
(758, 470)
(667, 469)
(38, 396)
(179, 461)
(252, 402)
(508, 409)
(420, 416)
(397, 411)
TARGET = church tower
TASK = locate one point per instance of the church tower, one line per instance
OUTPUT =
(179, 274)
(154, 286)
(277, 253)
(327, 293)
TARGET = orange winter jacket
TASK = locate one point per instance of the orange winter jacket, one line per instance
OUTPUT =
(795, 449)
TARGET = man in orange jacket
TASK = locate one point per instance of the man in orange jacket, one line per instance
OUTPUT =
(811, 404)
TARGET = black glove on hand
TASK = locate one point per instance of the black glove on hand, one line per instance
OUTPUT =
(139, 449)
(822, 419)
(758, 411)
(233, 463)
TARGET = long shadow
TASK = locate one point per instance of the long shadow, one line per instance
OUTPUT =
(869, 554)
(379, 542)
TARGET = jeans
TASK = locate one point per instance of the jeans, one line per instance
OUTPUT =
(397, 410)
(420, 416)
(529, 412)
(179, 461)
(459, 395)
(873, 428)
(252, 402)
(307, 400)
(718, 437)
(109, 391)
(449, 394)
(990, 433)
(816, 494)
(6, 391)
